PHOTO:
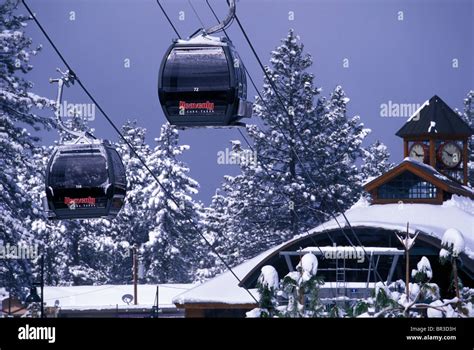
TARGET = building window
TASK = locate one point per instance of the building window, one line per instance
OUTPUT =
(407, 186)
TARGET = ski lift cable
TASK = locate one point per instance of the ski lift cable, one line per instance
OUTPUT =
(294, 151)
(266, 106)
(166, 15)
(165, 191)
(195, 13)
(278, 96)
(272, 84)
(247, 141)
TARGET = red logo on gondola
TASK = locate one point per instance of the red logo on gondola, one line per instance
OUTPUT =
(76, 201)
(183, 105)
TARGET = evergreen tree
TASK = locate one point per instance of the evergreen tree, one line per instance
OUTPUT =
(174, 250)
(469, 118)
(268, 285)
(17, 208)
(375, 161)
(133, 223)
(301, 288)
(305, 154)
(214, 223)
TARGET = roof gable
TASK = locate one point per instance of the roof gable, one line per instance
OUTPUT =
(435, 118)
(424, 171)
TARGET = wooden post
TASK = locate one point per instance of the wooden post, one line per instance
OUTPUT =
(407, 269)
(405, 148)
(135, 276)
(464, 160)
(433, 152)
(42, 285)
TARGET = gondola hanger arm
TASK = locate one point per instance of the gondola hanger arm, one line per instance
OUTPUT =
(225, 22)
(67, 78)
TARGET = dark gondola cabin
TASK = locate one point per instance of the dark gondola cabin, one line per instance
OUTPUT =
(85, 181)
(202, 83)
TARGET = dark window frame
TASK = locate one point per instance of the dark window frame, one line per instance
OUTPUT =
(407, 186)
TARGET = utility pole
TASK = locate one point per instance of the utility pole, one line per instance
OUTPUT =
(42, 285)
(135, 274)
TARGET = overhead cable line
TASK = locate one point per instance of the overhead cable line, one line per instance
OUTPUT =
(109, 120)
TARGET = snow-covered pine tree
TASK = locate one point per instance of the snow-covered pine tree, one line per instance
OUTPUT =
(133, 223)
(375, 161)
(469, 118)
(174, 249)
(268, 285)
(214, 223)
(49, 234)
(16, 143)
(337, 146)
(305, 157)
(453, 244)
(301, 288)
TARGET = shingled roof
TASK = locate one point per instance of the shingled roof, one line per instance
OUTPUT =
(435, 117)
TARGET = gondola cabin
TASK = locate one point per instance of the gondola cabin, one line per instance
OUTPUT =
(203, 83)
(85, 181)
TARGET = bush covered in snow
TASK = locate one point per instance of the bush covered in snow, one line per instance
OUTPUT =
(296, 295)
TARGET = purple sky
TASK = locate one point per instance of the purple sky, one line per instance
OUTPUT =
(404, 61)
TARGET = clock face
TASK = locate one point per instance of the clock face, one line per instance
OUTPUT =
(418, 152)
(450, 154)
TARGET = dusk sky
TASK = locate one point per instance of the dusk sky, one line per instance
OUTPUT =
(403, 51)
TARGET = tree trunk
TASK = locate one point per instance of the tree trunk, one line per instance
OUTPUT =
(292, 168)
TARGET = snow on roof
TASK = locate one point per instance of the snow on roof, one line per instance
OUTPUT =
(3, 294)
(224, 288)
(203, 40)
(110, 296)
(416, 115)
(448, 122)
(433, 220)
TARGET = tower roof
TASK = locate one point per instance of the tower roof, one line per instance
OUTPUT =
(435, 118)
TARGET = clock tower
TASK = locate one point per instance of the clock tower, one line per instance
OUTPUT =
(437, 136)
(435, 168)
